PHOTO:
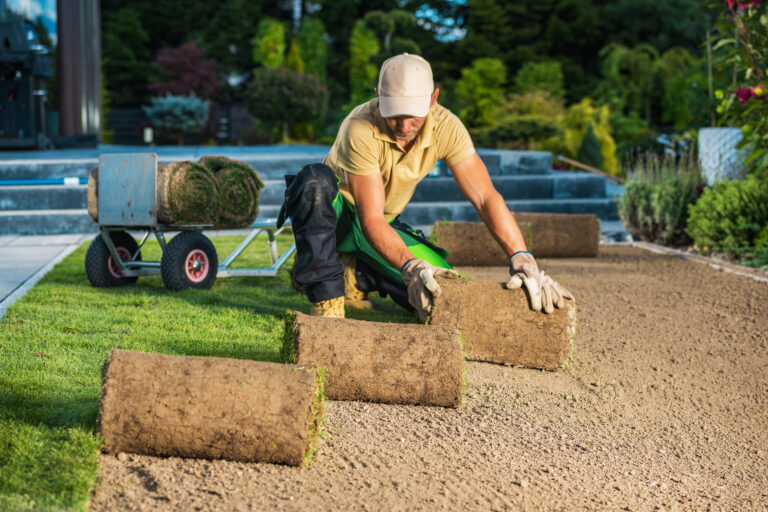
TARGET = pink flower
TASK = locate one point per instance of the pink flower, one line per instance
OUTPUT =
(744, 94)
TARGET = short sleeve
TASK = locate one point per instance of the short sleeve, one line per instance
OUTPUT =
(455, 140)
(357, 150)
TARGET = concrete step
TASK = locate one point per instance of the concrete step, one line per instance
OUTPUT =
(500, 161)
(557, 185)
(270, 165)
(43, 197)
(429, 212)
(53, 222)
(49, 222)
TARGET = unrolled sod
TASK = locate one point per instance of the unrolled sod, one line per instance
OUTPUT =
(498, 326)
(208, 407)
(380, 362)
(547, 235)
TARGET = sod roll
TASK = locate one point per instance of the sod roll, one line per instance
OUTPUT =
(380, 362)
(93, 194)
(187, 193)
(212, 408)
(498, 326)
(547, 235)
(238, 185)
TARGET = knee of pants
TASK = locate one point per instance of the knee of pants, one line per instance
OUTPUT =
(316, 182)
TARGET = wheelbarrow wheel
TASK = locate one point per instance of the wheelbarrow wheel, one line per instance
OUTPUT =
(189, 261)
(101, 269)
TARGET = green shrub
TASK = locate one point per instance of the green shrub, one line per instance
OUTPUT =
(656, 198)
(178, 114)
(731, 216)
(589, 152)
(517, 132)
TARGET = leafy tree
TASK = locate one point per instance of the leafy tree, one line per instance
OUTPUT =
(186, 71)
(387, 25)
(228, 36)
(589, 152)
(641, 74)
(488, 28)
(293, 60)
(543, 76)
(314, 48)
(480, 90)
(126, 62)
(662, 24)
(284, 97)
(363, 47)
(269, 44)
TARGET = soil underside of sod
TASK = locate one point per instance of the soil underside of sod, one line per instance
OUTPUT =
(663, 404)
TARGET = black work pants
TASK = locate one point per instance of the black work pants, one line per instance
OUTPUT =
(309, 202)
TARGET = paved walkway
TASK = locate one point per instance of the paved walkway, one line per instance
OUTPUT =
(24, 260)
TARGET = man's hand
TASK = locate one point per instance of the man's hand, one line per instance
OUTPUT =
(544, 292)
(419, 277)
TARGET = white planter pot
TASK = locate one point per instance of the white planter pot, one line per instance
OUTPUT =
(718, 155)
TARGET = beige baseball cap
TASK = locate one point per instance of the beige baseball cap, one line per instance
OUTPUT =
(405, 86)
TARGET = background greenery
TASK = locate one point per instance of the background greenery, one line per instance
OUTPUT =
(643, 60)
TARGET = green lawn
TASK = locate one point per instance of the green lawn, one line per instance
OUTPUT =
(55, 340)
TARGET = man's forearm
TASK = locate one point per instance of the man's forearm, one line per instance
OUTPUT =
(386, 242)
(502, 224)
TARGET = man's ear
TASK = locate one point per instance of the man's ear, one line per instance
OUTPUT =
(435, 94)
(376, 90)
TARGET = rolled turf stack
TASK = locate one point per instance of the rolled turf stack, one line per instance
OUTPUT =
(547, 235)
(380, 362)
(93, 194)
(187, 193)
(498, 326)
(238, 187)
(212, 408)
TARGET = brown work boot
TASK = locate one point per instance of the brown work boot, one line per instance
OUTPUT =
(354, 298)
(331, 308)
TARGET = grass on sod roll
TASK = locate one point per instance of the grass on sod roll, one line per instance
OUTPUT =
(54, 342)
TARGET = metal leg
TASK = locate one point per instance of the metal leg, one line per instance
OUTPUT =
(111, 248)
(141, 244)
(272, 246)
(253, 234)
(160, 239)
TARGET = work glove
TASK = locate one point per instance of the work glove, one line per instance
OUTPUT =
(543, 291)
(419, 277)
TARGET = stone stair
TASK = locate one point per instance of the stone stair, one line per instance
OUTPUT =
(524, 178)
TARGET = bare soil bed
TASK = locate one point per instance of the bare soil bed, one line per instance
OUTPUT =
(664, 406)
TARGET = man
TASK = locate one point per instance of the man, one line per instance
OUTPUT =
(344, 211)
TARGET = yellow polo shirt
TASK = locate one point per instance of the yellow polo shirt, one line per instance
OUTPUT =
(365, 147)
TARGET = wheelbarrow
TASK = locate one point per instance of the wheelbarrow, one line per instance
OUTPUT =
(127, 201)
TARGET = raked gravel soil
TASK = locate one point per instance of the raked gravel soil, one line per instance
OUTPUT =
(663, 406)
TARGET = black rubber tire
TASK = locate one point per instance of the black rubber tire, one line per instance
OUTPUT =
(97, 260)
(173, 262)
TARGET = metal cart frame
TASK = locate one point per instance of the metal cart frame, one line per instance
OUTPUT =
(127, 202)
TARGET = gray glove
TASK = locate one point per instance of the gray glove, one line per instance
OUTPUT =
(545, 293)
(419, 277)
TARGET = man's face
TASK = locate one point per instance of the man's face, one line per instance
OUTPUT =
(405, 128)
